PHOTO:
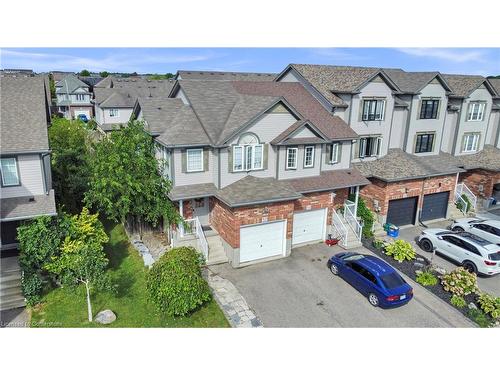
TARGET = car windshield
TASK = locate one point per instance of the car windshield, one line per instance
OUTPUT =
(392, 280)
(494, 256)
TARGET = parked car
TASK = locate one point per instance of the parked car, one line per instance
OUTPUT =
(472, 252)
(82, 117)
(487, 229)
(373, 277)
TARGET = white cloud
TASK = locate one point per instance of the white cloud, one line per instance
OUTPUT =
(460, 56)
(336, 54)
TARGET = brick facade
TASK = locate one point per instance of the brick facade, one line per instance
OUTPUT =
(379, 193)
(480, 182)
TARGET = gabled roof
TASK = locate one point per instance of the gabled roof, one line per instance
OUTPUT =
(224, 76)
(464, 85)
(414, 82)
(69, 84)
(495, 83)
(23, 111)
(285, 137)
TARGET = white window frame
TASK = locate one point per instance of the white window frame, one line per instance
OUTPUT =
(480, 114)
(114, 112)
(78, 97)
(365, 114)
(313, 149)
(474, 144)
(296, 149)
(248, 157)
(16, 165)
(334, 153)
(378, 147)
(190, 151)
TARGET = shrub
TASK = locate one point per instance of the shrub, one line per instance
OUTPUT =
(458, 301)
(366, 215)
(460, 205)
(175, 284)
(426, 278)
(481, 319)
(400, 250)
(460, 282)
(32, 287)
(378, 244)
(490, 305)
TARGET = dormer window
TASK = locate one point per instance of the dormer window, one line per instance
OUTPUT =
(476, 111)
(80, 97)
(248, 153)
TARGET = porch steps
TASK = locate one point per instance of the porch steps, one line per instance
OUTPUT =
(11, 295)
(352, 240)
(216, 252)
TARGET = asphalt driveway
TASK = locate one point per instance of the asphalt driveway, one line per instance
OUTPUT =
(300, 291)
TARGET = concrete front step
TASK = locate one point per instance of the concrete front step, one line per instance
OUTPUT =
(11, 290)
(10, 302)
(10, 277)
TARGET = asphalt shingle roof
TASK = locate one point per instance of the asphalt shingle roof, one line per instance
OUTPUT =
(69, 84)
(488, 159)
(225, 76)
(126, 96)
(27, 207)
(192, 191)
(463, 85)
(495, 82)
(329, 180)
(23, 112)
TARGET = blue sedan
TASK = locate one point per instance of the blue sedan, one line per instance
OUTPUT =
(373, 278)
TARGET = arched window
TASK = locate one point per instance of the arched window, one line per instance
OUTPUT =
(248, 153)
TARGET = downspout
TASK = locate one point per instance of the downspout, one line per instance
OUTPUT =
(356, 200)
(442, 129)
(421, 202)
(181, 212)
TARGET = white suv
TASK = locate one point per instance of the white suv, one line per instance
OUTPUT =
(472, 252)
(487, 229)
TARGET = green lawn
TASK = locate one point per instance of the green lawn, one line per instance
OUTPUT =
(67, 307)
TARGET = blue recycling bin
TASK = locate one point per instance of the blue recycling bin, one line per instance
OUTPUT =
(392, 231)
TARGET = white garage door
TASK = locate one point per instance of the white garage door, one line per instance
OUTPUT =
(309, 226)
(82, 112)
(262, 241)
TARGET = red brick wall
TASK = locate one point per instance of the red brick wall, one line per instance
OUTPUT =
(316, 201)
(187, 209)
(222, 219)
(479, 177)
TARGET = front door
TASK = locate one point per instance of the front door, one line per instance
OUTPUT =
(200, 209)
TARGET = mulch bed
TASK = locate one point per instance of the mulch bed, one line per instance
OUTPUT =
(409, 268)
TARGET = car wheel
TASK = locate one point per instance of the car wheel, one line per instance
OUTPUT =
(426, 245)
(373, 299)
(334, 269)
(469, 266)
(457, 229)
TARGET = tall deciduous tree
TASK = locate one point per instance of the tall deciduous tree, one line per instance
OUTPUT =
(85, 73)
(81, 258)
(126, 179)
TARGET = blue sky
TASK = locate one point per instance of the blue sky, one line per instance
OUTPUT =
(484, 61)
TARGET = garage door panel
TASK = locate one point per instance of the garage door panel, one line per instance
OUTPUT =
(435, 206)
(402, 211)
(262, 241)
(308, 226)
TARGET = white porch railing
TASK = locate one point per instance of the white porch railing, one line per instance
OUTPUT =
(462, 189)
(193, 226)
(462, 201)
(350, 218)
(339, 227)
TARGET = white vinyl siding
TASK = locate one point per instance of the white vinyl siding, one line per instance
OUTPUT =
(291, 157)
(9, 172)
(471, 142)
(194, 160)
(309, 157)
(30, 178)
(476, 111)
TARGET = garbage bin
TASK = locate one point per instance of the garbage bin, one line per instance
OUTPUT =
(393, 231)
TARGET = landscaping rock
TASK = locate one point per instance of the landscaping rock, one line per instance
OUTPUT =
(105, 317)
(472, 306)
(419, 265)
(439, 270)
(420, 259)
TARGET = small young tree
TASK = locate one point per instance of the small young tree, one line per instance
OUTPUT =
(82, 258)
(126, 180)
(104, 74)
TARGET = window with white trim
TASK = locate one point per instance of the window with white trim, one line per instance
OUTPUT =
(373, 109)
(113, 112)
(334, 153)
(194, 162)
(309, 157)
(248, 157)
(291, 157)
(470, 142)
(369, 146)
(476, 111)
(80, 97)
(10, 175)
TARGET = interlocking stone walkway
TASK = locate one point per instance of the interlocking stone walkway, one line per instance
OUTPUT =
(232, 302)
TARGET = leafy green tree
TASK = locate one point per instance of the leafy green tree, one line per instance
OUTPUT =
(69, 141)
(160, 76)
(125, 178)
(85, 73)
(104, 74)
(82, 259)
(52, 86)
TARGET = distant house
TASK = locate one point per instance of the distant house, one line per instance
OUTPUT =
(73, 97)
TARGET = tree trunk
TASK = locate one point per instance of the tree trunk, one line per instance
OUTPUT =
(140, 228)
(89, 306)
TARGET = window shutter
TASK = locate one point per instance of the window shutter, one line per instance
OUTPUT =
(230, 159)
(206, 155)
(328, 149)
(464, 137)
(356, 149)
(265, 156)
(184, 160)
(339, 153)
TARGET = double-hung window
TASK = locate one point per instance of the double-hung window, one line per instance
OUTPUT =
(470, 142)
(10, 175)
(369, 146)
(424, 143)
(80, 97)
(334, 153)
(291, 157)
(476, 111)
(429, 109)
(113, 112)
(309, 157)
(373, 109)
(194, 158)
(248, 157)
